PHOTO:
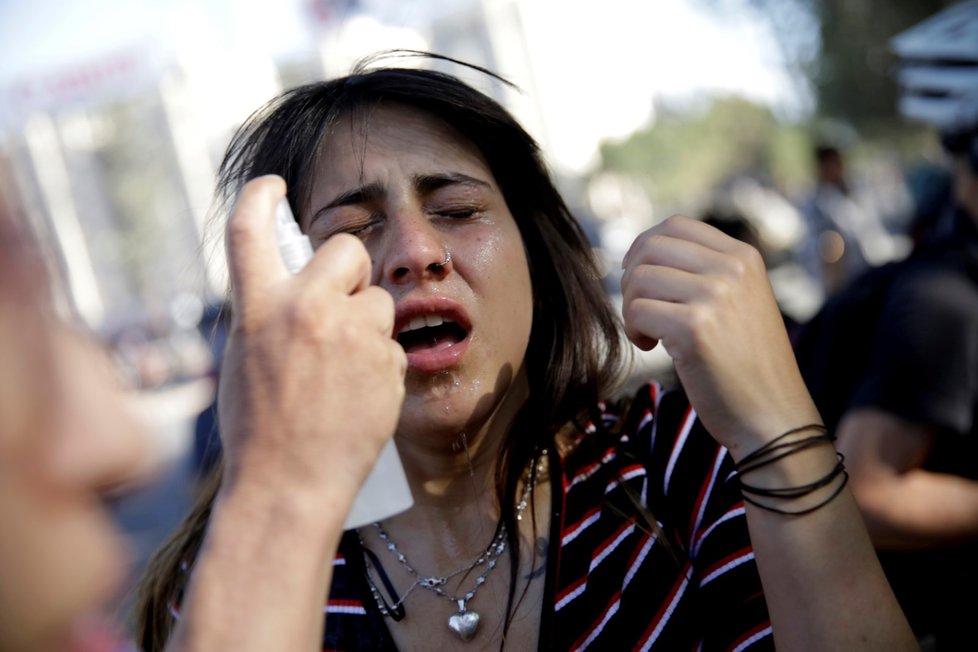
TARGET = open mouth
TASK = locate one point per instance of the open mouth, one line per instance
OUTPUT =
(430, 333)
(434, 332)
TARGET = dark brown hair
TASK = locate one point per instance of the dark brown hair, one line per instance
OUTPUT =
(575, 354)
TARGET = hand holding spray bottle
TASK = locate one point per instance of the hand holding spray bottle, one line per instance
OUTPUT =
(385, 491)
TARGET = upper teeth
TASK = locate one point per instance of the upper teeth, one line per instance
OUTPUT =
(422, 321)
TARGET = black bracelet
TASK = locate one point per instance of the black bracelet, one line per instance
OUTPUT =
(792, 448)
(800, 490)
(778, 449)
(773, 444)
(808, 510)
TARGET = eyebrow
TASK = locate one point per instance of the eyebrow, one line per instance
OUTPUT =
(423, 184)
(426, 183)
(369, 192)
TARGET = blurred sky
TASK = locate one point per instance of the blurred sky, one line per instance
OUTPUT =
(38, 35)
(597, 65)
(689, 44)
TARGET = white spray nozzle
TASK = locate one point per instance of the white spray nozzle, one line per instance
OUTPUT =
(292, 243)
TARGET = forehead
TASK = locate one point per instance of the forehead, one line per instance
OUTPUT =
(370, 144)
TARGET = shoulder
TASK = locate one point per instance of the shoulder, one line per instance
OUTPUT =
(629, 417)
(654, 429)
(931, 298)
(936, 284)
(647, 462)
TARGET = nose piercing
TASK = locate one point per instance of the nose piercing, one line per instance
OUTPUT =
(448, 259)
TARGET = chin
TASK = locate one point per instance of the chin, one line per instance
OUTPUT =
(88, 632)
(459, 399)
(427, 415)
(439, 417)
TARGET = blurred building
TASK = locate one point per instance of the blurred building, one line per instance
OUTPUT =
(111, 157)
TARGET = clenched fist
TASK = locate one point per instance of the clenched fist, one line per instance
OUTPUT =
(707, 298)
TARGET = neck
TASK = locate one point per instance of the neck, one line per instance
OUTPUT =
(452, 466)
(452, 478)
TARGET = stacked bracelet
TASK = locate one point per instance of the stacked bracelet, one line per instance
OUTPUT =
(778, 449)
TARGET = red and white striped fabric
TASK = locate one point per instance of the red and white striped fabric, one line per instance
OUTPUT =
(615, 582)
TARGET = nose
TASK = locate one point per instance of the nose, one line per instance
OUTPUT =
(414, 250)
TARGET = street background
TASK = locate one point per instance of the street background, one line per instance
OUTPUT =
(114, 115)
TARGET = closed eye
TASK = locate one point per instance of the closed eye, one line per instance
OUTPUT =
(461, 213)
(365, 227)
(360, 228)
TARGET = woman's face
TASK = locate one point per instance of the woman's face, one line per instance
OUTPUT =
(445, 245)
(64, 436)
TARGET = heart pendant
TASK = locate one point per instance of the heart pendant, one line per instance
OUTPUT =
(464, 623)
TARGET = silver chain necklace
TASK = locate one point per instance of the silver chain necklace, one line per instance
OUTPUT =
(465, 622)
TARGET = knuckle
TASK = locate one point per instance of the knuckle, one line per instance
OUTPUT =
(738, 267)
(352, 247)
(753, 257)
(746, 258)
(348, 334)
(626, 281)
(628, 310)
(631, 312)
(719, 289)
(380, 297)
(398, 356)
(654, 242)
(700, 322)
(302, 317)
(674, 221)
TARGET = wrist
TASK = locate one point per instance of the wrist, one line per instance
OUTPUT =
(303, 480)
(277, 545)
(795, 473)
(762, 429)
(269, 506)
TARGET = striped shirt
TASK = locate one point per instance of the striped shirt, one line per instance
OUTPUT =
(649, 547)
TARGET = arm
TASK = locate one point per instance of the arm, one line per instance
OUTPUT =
(904, 505)
(303, 354)
(708, 299)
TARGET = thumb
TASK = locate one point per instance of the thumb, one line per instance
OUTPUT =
(252, 248)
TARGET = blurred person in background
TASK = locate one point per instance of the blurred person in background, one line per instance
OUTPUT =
(932, 195)
(839, 226)
(569, 517)
(67, 437)
(892, 362)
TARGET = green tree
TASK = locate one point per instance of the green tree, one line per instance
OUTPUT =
(839, 50)
(684, 156)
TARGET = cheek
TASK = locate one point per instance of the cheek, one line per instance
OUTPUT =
(501, 264)
(506, 278)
